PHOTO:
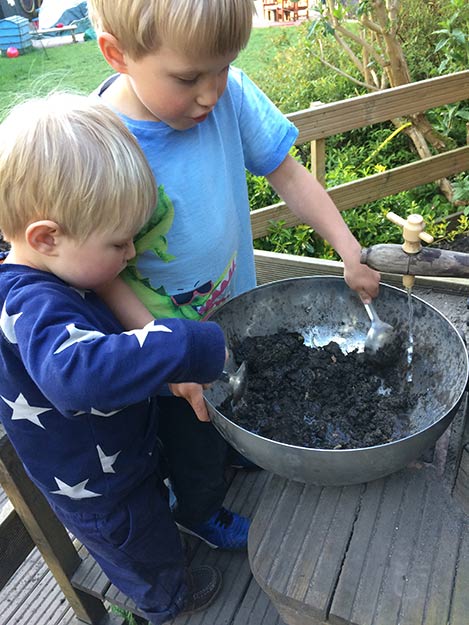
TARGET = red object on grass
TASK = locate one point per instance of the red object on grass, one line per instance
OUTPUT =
(12, 52)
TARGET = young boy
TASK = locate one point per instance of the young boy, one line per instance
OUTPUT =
(74, 387)
(201, 123)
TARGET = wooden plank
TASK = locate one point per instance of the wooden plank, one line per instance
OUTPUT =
(398, 579)
(270, 527)
(32, 597)
(416, 580)
(403, 556)
(296, 545)
(461, 489)
(340, 522)
(3, 497)
(257, 609)
(455, 445)
(326, 120)
(90, 578)
(15, 543)
(460, 603)
(364, 190)
(438, 604)
(400, 178)
(46, 531)
(359, 584)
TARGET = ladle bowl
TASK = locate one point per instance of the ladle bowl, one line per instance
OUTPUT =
(324, 309)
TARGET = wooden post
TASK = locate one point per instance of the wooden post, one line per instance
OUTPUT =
(48, 534)
(318, 156)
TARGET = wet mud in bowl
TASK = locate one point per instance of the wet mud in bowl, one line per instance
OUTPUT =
(319, 397)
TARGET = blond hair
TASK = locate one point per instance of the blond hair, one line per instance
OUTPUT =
(196, 27)
(71, 159)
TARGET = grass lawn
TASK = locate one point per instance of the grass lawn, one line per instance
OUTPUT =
(80, 67)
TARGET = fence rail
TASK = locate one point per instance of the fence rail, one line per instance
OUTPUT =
(325, 120)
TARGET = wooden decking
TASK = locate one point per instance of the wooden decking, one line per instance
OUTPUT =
(363, 567)
(32, 596)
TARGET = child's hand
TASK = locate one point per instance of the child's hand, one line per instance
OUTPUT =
(192, 392)
(362, 279)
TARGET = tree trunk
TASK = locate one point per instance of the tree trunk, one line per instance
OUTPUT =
(380, 28)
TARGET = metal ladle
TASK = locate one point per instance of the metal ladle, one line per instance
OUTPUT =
(237, 381)
(380, 335)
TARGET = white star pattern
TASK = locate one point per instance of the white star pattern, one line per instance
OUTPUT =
(82, 293)
(76, 336)
(106, 461)
(23, 410)
(74, 492)
(7, 324)
(97, 412)
(142, 333)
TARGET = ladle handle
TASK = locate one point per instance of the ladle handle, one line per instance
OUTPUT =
(372, 314)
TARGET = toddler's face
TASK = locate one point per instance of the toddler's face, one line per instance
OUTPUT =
(95, 262)
(174, 88)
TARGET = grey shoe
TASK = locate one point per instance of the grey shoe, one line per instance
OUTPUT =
(204, 583)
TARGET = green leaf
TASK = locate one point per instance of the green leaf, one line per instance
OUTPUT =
(441, 44)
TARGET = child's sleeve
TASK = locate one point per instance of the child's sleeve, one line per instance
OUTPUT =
(266, 134)
(79, 368)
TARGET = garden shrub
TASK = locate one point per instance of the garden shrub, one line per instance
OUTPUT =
(296, 77)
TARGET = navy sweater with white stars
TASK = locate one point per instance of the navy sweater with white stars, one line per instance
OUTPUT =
(75, 388)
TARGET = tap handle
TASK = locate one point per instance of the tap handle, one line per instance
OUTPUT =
(413, 231)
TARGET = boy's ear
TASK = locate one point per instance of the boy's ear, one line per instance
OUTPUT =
(43, 236)
(112, 52)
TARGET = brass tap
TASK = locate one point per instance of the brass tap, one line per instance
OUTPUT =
(413, 232)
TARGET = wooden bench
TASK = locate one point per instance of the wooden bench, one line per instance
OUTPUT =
(41, 32)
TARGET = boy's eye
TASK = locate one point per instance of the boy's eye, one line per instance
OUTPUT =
(187, 81)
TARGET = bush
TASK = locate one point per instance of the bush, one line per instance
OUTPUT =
(297, 77)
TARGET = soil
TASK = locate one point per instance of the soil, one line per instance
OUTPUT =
(460, 244)
(318, 397)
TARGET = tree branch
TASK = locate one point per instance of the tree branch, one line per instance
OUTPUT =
(348, 76)
(362, 42)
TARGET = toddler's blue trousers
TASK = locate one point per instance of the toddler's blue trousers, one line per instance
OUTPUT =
(139, 548)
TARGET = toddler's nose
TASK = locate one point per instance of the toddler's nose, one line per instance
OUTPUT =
(130, 250)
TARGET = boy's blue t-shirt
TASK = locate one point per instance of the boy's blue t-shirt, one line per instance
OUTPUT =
(196, 252)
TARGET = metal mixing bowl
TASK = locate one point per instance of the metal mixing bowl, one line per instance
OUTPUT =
(325, 309)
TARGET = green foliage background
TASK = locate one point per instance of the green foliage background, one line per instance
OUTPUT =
(285, 64)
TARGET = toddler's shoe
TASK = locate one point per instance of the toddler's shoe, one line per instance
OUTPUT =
(223, 530)
(204, 584)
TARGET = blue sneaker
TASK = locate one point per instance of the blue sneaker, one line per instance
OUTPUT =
(223, 530)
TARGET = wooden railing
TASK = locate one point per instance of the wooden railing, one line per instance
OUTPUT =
(325, 120)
